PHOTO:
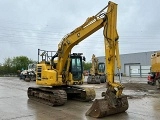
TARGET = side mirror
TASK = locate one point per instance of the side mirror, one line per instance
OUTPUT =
(84, 59)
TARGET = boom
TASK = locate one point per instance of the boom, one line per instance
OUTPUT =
(91, 25)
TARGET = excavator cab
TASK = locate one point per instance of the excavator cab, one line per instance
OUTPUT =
(101, 72)
(76, 68)
(101, 67)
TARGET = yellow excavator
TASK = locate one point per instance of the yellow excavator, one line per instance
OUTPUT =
(97, 72)
(61, 78)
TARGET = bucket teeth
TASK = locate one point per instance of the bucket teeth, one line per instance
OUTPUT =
(103, 107)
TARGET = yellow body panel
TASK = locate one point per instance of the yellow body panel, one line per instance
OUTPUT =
(155, 62)
(51, 78)
(46, 76)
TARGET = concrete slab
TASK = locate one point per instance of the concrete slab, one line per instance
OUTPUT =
(15, 105)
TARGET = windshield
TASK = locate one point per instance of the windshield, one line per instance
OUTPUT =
(31, 66)
(76, 68)
(101, 67)
(76, 64)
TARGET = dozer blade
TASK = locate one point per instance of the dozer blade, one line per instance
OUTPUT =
(105, 107)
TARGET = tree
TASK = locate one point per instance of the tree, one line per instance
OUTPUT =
(87, 65)
(12, 65)
(20, 62)
(7, 66)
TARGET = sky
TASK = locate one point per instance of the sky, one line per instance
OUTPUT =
(29, 25)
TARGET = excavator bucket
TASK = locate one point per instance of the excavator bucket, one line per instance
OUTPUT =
(108, 106)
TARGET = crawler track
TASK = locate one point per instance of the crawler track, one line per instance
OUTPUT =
(47, 95)
(56, 96)
(93, 80)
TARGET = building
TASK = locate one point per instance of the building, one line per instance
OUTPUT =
(134, 64)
